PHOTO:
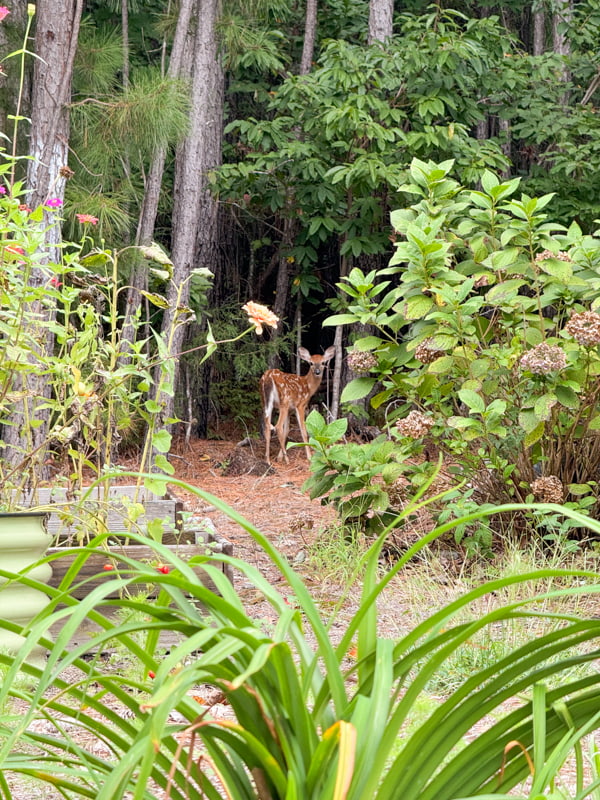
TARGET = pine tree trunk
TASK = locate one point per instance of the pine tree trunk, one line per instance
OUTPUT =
(194, 208)
(153, 183)
(539, 32)
(57, 30)
(310, 35)
(380, 20)
(561, 19)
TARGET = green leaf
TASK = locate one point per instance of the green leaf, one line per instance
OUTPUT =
(535, 435)
(95, 259)
(544, 405)
(154, 252)
(163, 463)
(443, 341)
(562, 270)
(357, 389)
(156, 299)
(566, 396)
(474, 402)
(340, 319)
(441, 365)
(161, 441)
(417, 306)
(336, 429)
(503, 293)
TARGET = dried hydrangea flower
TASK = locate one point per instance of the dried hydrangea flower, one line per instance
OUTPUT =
(361, 362)
(544, 358)
(548, 490)
(415, 425)
(426, 352)
(562, 255)
(584, 327)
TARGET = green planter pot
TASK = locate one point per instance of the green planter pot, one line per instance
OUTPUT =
(23, 541)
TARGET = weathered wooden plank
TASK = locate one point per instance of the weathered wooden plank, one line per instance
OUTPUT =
(93, 573)
(73, 520)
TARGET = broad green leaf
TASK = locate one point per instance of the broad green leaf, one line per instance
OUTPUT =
(543, 406)
(562, 270)
(566, 396)
(357, 389)
(417, 306)
(442, 365)
(474, 402)
(503, 293)
(161, 441)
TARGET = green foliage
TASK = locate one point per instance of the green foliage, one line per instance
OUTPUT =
(486, 319)
(326, 151)
(360, 480)
(308, 715)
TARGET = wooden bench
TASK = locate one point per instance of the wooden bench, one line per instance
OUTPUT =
(125, 509)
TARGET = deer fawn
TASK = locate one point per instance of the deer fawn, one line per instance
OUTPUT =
(285, 391)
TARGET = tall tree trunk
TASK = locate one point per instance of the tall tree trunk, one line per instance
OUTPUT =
(153, 183)
(539, 31)
(380, 20)
(194, 208)
(310, 35)
(561, 20)
(57, 30)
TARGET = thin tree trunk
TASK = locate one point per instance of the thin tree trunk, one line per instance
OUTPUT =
(380, 20)
(539, 32)
(310, 35)
(153, 184)
(561, 20)
(504, 126)
(338, 342)
(194, 208)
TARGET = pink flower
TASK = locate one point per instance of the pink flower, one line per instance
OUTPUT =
(54, 202)
(3, 12)
(2, 189)
(83, 218)
(24, 207)
(55, 282)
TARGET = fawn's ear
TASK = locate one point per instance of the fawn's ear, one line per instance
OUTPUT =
(329, 353)
(304, 354)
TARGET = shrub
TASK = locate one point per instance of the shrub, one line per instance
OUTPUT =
(486, 322)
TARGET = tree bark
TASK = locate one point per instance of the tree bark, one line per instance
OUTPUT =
(380, 20)
(57, 30)
(539, 32)
(153, 183)
(561, 20)
(310, 35)
(194, 207)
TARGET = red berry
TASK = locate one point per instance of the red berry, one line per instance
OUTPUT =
(108, 567)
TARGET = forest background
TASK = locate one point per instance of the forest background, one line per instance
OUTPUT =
(266, 141)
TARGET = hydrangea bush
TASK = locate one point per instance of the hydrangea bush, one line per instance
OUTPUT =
(486, 331)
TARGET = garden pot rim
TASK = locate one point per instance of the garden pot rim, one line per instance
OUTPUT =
(29, 513)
